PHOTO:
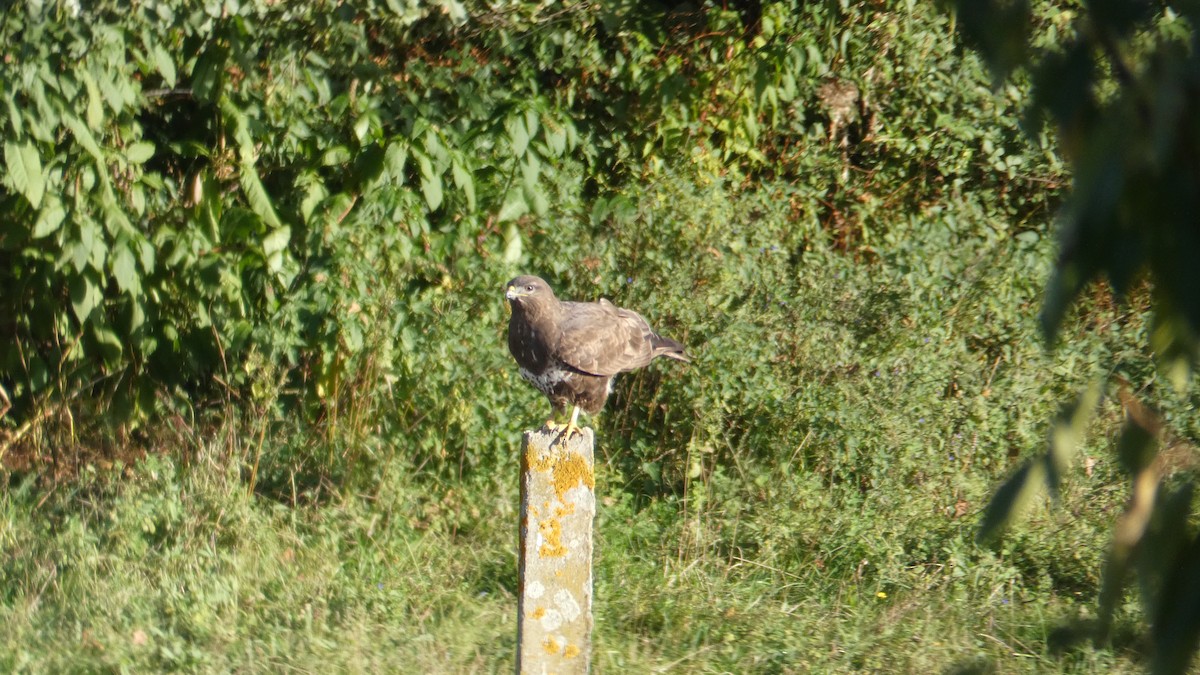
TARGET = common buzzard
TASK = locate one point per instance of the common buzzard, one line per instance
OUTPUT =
(571, 351)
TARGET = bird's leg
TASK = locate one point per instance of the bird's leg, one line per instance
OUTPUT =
(552, 420)
(571, 427)
(551, 423)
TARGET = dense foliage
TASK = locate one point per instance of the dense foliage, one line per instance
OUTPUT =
(205, 195)
(1120, 83)
(268, 241)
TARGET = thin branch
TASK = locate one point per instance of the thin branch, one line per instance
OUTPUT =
(168, 93)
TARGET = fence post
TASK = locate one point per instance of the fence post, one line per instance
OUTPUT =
(558, 502)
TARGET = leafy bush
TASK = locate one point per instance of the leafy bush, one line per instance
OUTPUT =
(206, 200)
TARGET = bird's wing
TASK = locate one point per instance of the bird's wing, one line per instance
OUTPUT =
(602, 339)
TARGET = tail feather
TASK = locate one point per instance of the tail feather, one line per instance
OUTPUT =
(672, 349)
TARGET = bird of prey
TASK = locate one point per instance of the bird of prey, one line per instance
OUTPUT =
(571, 351)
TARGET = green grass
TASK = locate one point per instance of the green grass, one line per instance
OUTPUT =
(803, 499)
(174, 569)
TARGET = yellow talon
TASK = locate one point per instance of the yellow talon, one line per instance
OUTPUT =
(565, 430)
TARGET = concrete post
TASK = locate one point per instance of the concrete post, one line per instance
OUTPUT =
(558, 502)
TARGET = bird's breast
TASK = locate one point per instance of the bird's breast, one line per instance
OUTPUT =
(547, 379)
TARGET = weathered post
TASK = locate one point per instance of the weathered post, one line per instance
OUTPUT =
(558, 502)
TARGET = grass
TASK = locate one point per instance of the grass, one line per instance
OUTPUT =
(817, 515)
(173, 569)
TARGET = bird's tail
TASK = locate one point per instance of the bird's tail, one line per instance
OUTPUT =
(669, 348)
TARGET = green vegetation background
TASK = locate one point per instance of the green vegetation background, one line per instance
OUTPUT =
(258, 410)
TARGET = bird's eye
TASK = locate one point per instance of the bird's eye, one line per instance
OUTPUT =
(529, 288)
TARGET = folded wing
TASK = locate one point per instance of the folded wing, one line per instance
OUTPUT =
(602, 339)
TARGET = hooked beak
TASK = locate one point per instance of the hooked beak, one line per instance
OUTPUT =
(512, 292)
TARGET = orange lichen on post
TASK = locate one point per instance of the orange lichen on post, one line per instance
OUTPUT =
(558, 504)
(551, 529)
(568, 470)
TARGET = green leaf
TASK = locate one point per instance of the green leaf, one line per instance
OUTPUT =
(539, 201)
(84, 136)
(424, 165)
(432, 189)
(653, 470)
(464, 182)
(512, 244)
(146, 255)
(1067, 433)
(514, 207)
(39, 374)
(76, 253)
(116, 220)
(396, 157)
(334, 207)
(209, 71)
(999, 29)
(314, 194)
(90, 240)
(165, 64)
(108, 342)
(240, 224)
(256, 195)
(135, 317)
(1136, 447)
(518, 135)
(124, 270)
(362, 125)
(531, 123)
(25, 170)
(49, 220)
(275, 245)
(336, 156)
(1013, 497)
(368, 166)
(95, 104)
(85, 296)
(137, 199)
(139, 151)
(15, 117)
(556, 139)
(531, 169)
(435, 148)
(534, 195)
(117, 89)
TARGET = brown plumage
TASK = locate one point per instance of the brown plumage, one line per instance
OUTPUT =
(571, 351)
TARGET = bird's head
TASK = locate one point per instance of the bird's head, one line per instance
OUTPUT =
(525, 288)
